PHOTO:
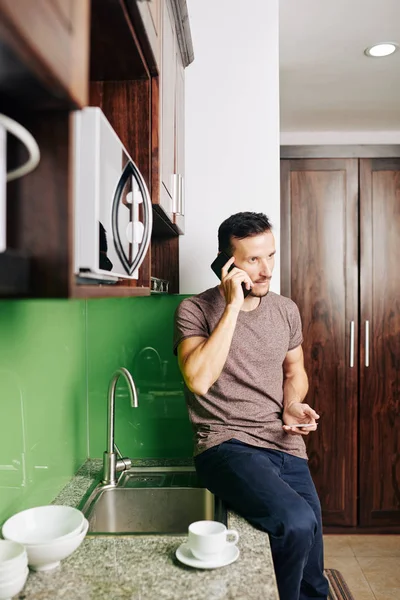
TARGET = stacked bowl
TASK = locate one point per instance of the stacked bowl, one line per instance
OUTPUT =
(48, 533)
(13, 569)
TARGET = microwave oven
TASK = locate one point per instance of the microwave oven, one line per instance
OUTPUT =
(113, 211)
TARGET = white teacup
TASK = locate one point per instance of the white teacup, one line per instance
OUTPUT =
(208, 539)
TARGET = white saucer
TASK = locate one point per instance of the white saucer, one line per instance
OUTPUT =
(229, 555)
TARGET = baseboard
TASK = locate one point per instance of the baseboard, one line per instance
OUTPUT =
(329, 530)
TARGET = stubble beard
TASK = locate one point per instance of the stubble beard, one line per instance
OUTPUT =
(259, 294)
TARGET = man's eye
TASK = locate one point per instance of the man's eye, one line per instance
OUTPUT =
(253, 260)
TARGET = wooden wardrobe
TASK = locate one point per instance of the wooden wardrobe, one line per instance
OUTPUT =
(340, 256)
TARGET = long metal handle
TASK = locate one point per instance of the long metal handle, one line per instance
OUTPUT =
(181, 196)
(351, 344)
(175, 193)
(367, 343)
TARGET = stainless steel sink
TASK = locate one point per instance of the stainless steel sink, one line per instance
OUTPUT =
(151, 500)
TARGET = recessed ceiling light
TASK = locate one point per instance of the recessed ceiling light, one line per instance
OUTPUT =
(380, 50)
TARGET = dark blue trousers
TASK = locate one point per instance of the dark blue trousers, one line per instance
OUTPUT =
(275, 493)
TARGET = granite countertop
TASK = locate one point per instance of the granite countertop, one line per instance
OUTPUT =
(144, 567)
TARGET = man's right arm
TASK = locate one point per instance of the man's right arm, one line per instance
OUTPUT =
(202, 360)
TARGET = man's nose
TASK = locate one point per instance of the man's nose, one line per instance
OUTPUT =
(266, 268)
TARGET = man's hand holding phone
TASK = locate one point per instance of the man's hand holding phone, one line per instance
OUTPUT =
(236, 283)
(232, 280)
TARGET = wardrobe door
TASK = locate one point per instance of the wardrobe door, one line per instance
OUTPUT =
(319, 257)
(380, 342)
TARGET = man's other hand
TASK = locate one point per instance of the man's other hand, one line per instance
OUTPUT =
(299, 413)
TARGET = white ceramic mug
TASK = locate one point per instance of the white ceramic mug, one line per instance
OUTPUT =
(208, 539)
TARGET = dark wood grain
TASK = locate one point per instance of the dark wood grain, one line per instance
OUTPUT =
(380, 381)
(165, 261)
(319, 232)
(127, 105)
(115, 53)
(51, 50)
(155, 140)
(108, 291)
(39, 215)
(389, 530)
(286, 263)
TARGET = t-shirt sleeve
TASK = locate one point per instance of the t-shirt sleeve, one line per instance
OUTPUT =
(189, 322)
(296, 335)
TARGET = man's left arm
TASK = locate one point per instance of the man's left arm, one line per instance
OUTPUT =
(295, 388)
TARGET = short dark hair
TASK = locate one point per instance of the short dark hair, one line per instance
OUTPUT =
(241, 225)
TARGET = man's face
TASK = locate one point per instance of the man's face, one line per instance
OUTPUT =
(256, 256)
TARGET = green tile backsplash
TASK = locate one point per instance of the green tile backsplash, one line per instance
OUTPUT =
(43, 409)
(137, 333)
(56, 360)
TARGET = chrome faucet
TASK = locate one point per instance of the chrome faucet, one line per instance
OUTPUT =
(113, 461)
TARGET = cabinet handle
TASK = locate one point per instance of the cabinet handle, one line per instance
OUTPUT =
(175, 193)
(181, 206)
(351, 344)
(367, 343)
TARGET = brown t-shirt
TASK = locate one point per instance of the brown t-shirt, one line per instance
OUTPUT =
(246, 401)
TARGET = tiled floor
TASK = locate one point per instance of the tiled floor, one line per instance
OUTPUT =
(370, 564)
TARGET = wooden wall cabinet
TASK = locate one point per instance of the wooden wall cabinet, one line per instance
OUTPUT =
(49, 41)
(168, 183)
(131, 56)
(44, 53)
(340, 238)
(176, 54)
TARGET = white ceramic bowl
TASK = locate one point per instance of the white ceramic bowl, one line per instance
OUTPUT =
(43, 524)
(12, 573)
(12, 588)
(12, 554)
(13, 561)
(44, 557)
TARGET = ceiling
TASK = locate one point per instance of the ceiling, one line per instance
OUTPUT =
(326, 81)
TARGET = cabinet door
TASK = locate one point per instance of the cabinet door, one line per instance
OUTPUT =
(380, 343)
(319, 253)
(52, 37)
(179, 208)
(146, 19)
(168, 78)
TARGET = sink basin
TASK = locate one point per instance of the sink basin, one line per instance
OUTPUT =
(151, 501)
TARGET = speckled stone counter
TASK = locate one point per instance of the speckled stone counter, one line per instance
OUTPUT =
(144, 567)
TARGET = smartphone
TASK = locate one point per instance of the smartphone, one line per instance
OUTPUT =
(301, 425)
(217, 265)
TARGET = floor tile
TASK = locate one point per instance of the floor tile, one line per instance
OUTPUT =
(353, 575)
(383, 575)
(337, 545)
(375, 545)
(387, 595)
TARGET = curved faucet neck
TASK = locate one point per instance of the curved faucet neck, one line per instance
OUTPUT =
(111, 403)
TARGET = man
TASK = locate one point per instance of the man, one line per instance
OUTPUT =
(242, 363)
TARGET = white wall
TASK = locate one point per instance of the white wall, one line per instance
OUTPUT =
(300, 138)
(232, 127)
